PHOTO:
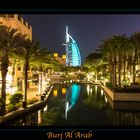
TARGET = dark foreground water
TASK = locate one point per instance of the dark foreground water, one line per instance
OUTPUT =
(82, 105)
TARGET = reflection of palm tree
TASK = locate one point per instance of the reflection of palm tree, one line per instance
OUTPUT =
(95, 101)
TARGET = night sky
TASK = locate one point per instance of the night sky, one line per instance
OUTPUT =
(87, 30)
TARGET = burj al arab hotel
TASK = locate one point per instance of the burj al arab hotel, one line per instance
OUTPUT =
(73, 57)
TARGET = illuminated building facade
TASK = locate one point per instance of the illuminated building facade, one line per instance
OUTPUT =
(14, 78)
(16, 22)
(61, 60)
(73, 57)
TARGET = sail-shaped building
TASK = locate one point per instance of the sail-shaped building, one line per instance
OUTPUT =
(73, 57)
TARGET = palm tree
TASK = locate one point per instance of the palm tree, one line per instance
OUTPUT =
(30, 53)
(107, 54)
(9, 42)
(27, 53)
(120, 42)
(135, 42)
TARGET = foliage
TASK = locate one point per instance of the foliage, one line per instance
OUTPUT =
(16, 98)
(93, 56)
(81, 76)
(109, 84)
(11, 107)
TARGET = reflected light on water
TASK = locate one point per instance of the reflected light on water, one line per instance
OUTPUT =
(71, 97)
(95, 89)
(66, 109)
(55, 92)
(39, 117)
(45, 108)
(105, 99)
(88, 90)
(63, 91)
(91, 91)
(102, 92)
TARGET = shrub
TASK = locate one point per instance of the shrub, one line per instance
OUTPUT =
(108, 84)
(11, 107)
(16, 98)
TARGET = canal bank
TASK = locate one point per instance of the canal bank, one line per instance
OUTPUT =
(115, 96)
(23, 111)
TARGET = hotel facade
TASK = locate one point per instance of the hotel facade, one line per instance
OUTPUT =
(14, 78)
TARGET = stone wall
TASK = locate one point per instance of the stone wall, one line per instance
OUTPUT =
(121, 96)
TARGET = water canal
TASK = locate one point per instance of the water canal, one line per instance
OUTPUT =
(81, 104)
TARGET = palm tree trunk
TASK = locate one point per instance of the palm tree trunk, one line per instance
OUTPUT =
(13, 73)
(134, 65)
(110, 69)
(124, 68)
(4, 70)
(25, 83)
(119, 70)
(115, 74)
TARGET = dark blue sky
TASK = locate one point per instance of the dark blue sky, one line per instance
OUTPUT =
(87, 30)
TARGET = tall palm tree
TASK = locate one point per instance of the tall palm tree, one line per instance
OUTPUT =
(9, 42)
(112, 50)
(27, 53)
(120, 41)
(30, 53)
(107, 54)
(135, 42)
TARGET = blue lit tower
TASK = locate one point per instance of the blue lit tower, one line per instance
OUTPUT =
(73, 57)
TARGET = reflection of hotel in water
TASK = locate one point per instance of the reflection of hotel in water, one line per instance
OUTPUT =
(14, 76)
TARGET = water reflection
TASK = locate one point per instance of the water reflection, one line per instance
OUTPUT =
(89, 90)
(55, 92)
(102, 92)
(82, 105)
(71, 97)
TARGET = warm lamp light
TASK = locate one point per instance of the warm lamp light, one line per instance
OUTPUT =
(64, 56)
(63, 90)
(55, 93)
(55, 54)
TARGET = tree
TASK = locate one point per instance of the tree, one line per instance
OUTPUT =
(94, 63)
(120, 42)
(107, 53)
(135, 42)
(31, 53)
(9, 42)
(27, 53)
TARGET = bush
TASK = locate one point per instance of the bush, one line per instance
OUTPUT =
(11, 107)
(16, 98)
(108, 84)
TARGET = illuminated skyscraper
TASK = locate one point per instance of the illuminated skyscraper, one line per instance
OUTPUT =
(73, 57)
